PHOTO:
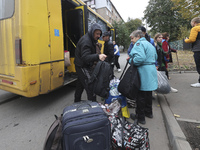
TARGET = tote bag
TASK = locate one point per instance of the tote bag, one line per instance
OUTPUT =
(129, 84)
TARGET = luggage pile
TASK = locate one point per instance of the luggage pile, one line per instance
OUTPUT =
(126, 135)
(115, 95)
(88, 125)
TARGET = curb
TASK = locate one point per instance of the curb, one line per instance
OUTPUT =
(176, 137)
(179, 72)
(8, 99)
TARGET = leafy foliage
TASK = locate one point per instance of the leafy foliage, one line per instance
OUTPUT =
(123, 31)
(133, 24)
(160, 16)
(187, 8)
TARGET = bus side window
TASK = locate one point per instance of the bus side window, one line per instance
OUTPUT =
(7, 8)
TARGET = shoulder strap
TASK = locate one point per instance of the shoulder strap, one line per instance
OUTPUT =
(125, 69)
(49, 141)
(96, 70)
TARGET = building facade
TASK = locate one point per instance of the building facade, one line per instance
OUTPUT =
(105, 8)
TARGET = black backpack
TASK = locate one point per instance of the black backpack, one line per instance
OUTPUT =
(100, 79)
(53, 139)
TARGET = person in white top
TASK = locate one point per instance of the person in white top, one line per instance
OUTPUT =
(117, 54)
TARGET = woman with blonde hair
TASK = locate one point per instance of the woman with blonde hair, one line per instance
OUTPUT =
(194, 38)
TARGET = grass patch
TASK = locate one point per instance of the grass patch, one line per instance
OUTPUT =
(185, 61)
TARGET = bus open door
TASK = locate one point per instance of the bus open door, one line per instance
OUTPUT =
(74, 27)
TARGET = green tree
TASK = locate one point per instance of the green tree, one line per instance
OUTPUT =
(160, 16)
(124, 29)
(133, 24)
(187, 8)
(121, 33)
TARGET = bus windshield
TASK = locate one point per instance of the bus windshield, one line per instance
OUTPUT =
(6, 8)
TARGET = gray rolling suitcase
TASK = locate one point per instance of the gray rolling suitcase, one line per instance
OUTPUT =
(86, 127)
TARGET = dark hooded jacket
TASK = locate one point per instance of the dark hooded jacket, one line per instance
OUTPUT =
(147, 37)
(85, 53)
(109, 51)
(161, 54)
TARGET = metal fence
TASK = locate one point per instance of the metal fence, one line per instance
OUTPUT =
(180, 45)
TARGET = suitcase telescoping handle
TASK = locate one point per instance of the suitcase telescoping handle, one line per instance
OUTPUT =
(84, 106)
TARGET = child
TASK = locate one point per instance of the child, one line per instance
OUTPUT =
(195, 40)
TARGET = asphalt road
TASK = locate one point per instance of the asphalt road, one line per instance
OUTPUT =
(24, 122)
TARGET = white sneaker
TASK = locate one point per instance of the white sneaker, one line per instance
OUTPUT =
(174, 90)
(195, 85)
(119, 70)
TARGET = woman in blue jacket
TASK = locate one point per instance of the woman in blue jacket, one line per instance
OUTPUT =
(144, 57)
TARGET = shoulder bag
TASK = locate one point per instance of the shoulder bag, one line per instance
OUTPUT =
(129, 84)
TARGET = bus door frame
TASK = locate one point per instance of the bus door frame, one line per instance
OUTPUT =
(84, 15)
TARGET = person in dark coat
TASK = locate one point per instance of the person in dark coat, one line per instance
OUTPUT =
(108, 48)
(130, 48)
(144, 31)
(160, 63)
(85, 58)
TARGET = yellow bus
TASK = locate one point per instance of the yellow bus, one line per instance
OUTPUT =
(34, 35)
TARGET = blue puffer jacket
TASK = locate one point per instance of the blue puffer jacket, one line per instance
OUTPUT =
(144, 57)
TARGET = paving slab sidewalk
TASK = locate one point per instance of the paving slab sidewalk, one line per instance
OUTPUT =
(184, 104)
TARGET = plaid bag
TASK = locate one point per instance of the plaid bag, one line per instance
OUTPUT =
(128, 136)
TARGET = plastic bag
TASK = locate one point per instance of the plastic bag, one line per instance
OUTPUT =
(67, 59)
(163, 84)
(115, 95)
(111, 109)
(113, 87)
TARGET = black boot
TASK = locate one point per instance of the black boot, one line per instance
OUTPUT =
(141, 120)
(149, 115)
